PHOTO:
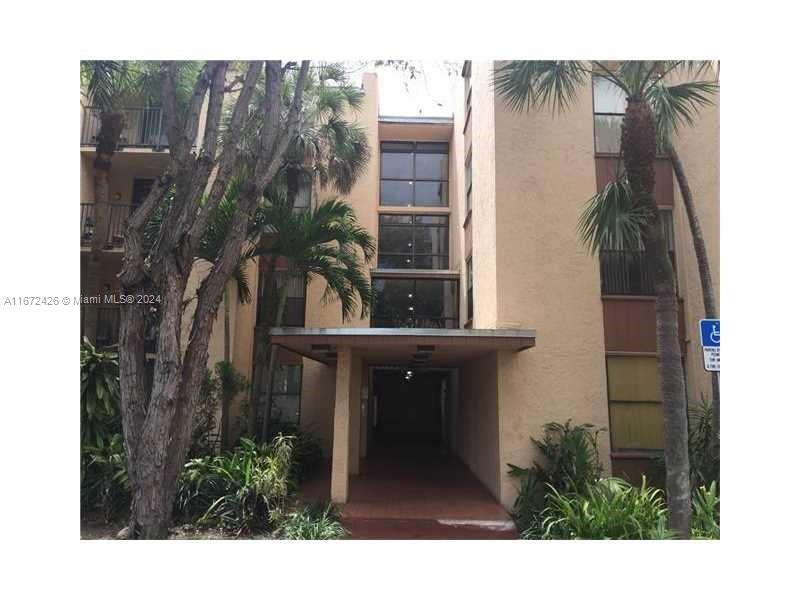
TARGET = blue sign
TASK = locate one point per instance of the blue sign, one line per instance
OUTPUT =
(709, 339)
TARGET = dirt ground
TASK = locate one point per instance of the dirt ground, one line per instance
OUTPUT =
(95, 528)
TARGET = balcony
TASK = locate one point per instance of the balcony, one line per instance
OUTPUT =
(144, 128)
(104, 220)
(626, 273)
(415, 303)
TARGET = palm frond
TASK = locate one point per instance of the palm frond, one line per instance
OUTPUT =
(611, 221)
(676, 105)
(533, 84)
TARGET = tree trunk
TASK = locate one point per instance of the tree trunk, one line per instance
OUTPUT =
(225, 393)
(638, 153)
(703, 266)
(273, 359)
(111, 126)
(260, 349)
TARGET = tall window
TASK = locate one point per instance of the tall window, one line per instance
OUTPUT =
(426, 303)
(294, 312)
(467, 74)
(414, 174)
(468, 182)
(634, 398)
(302, 201)
(469, 289)
(609, 108)
(413, 242)
(625, 272)
(286, 394)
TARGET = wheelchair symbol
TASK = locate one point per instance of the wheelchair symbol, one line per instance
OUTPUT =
(714, 335)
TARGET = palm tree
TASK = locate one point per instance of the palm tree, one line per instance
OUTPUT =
(531, 85)
(670, 104)
(326, 242)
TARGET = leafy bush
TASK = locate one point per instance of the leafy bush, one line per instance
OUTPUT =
(703, 447)
(100, 416)
(705, 512)
(104, 477)
(307, 454)
(609, 509)
(244, 489)
(313, 522)
(572, 464)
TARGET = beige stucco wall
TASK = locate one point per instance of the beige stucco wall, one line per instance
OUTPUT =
(484, 228)
(545, 279)
(698, 148)
(476, 426)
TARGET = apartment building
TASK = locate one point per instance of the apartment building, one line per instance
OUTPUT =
(491, 319)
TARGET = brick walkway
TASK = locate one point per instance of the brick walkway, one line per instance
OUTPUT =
(413, 493)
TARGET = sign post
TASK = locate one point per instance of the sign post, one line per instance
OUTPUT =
(709, 338)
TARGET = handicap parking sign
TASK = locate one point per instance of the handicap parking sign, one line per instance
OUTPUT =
(709, 339)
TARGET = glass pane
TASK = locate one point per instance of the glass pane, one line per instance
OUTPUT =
(431, 166)
(395, 219)
(607, 131)
(665, 217)
(608, 98)
(431, 262)
(633, 379)
(285, 408)
(394, 301)
(394, 240)
(431, 219)
(636, 426)
(397, 165)
(430, 240)
(394, 261)
(431, 193)
(397, 193)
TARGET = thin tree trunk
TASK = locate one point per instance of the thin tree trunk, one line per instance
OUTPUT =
(111, 126)
(638, 153)
(273, 359)
(226, 400)
(703, 266)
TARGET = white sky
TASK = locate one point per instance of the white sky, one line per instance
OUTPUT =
(430, 93)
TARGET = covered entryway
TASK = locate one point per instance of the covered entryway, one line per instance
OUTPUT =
(396, 469)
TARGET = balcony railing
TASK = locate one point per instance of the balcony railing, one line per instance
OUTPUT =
(106, 220)
(144, 128)
(626, 272)
(420, 321)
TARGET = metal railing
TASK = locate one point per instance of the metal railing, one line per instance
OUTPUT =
(104, 220)
(419, 321)
(625, 272)
(144, 128)
(87, 224)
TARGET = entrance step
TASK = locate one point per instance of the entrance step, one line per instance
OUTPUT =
(429, 529)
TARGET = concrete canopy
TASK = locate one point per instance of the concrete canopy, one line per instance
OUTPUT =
(402, 346)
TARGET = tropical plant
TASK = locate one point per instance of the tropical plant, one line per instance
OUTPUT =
(307, 454)
(705, 512)
(703, 445)
(99, 394)
(571, 464)
(609, 509)
(104, 477)
(325, 242)
(531, 85)
(312, 522)
(242, 490)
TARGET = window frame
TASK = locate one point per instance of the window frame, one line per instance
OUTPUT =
(414, 226)
(276, 393)
(470, 282)
(413, 321)
(417, 148)
(468, 184)
(596, 113)
(613, 436)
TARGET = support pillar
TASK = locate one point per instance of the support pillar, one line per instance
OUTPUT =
(340, 463)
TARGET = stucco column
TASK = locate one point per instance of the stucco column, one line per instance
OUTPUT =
(340, 461)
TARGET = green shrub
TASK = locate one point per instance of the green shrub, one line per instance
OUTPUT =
(571, 464)
(313, 522)
(703, 447)
(609, 509)
(100, 416)
(105, 486)
(307, 454)
(244, 489)
(705, 512)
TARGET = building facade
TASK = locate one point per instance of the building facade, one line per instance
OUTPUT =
(491, 318)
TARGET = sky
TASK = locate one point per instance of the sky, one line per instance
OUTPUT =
(431, 92)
